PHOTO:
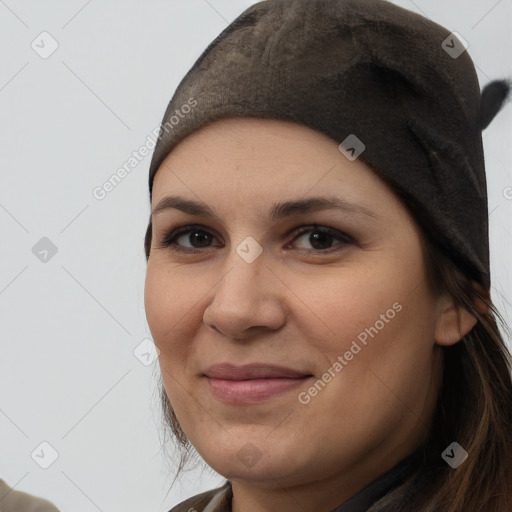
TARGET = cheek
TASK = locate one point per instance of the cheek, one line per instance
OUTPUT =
(382, 326)
(168, 307)
(168, 310)
(156, 302)
(349, 302)
(377, 316)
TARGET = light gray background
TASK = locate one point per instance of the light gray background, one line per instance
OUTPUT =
(69, 326)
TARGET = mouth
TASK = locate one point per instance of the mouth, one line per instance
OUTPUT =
(252, 383)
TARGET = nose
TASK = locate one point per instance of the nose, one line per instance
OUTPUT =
(248, 299)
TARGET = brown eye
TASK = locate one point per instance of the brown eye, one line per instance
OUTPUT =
(321, 237)
(197, 237)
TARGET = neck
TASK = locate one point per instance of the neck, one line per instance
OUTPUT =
(320, 495)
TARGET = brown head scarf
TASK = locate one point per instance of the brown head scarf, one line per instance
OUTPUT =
(388, 85)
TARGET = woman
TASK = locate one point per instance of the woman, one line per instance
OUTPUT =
(318, 266)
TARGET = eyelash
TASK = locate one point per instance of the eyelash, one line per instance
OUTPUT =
(168, 242)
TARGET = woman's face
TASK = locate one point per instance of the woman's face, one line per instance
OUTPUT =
(348, 310)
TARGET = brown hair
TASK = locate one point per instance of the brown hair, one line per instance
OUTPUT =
(474, 405)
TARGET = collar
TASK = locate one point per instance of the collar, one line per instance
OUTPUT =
(383, 484)
(221, 498)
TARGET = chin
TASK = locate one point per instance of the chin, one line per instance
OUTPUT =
(256, 458)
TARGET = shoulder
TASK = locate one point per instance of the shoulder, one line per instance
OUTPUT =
(16, 500)
(214, 500)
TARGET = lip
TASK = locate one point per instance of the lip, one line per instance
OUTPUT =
(252, 383)
(228, 371)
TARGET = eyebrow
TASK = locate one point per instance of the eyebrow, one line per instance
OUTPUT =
(276, 212)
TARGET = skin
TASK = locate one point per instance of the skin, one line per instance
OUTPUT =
(295, 305)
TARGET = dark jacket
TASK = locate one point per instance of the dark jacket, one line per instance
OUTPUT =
(219, 499)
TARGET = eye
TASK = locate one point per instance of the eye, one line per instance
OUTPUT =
(196, 235)
(320, 238)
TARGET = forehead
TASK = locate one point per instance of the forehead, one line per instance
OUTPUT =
(255, 147)
(252, 161)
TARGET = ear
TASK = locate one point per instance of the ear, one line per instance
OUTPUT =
(453, 323)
